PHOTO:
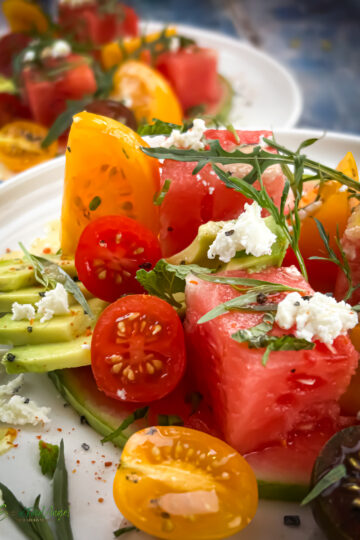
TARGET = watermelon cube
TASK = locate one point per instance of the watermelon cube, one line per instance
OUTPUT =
(257, 406)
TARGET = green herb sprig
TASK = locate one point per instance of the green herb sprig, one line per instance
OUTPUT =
(332, 477)
(48, 274)
(136, 415)
(124, 530)
(341, 261)
(159, 197)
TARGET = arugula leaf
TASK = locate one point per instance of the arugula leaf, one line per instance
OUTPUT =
(245, 282)
(41, 524)
(159, 197)
(136, 415)
(124, 530)
(232, 130)
(165, 280)
(341, 261)
(60, 497)
(158, 127)
(64, 120)
(48, 458)
(104, 80)
(169, 420)
(332, 477)
(48, 273)
(244, 301)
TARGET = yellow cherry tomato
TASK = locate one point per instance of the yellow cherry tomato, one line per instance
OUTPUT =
(20, 145)
(178, 483)
(148, 93)
(104, 159)
(112, 53)
(23, 16)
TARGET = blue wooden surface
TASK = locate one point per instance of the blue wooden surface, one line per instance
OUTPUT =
(318, 40)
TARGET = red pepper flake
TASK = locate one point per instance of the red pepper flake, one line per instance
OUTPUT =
(93, 461)
(102, 455)
(73, 471)
(193, 282)
(101, 500)
(38, 437)
(108, 463)
(8, 250)
(15, 445)
(59, 429)
(47, 250)
(88, 331)
(78, 461)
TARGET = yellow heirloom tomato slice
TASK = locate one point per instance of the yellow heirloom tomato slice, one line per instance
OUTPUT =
(178, 483)
(113, 53)
(106, 173)
(20, 145)
(24, 16)
(148, 93)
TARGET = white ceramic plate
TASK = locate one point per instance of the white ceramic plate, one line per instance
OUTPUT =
(266, 94)
(27, 203)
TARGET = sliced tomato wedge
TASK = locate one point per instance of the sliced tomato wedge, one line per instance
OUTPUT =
(138, 349)
(110, 251)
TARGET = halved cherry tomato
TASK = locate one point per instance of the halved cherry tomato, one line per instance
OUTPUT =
(138, 349)
(149, 93)
(177, 483)
(24, 16)
(110, 251)
(20, 145)
(10, 45)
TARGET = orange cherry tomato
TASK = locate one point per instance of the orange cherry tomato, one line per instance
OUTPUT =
(20, 145)
(113, 53)
(24, 16)
(175, 482)
(146, 92)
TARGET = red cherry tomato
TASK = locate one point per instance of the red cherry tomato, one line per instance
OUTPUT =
(138, 349)
(110, 251)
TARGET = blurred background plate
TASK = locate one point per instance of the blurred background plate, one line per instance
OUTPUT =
(27, 204)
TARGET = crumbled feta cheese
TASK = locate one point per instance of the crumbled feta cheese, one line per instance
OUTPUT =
(55, 302)
(292, 271)
(121, 393)
(86, 346)
(22, 311)
(320, 317)
(12, 387)
(19, 411)
(174, 44)
(29, 56)
(58, 49)
(128, 102)
(249, 232)
(191, 139)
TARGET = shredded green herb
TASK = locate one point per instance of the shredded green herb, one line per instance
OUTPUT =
(159, 197)
(169, 420)
(48, 458)
(124, 530)
(136, 415)
(94, 203)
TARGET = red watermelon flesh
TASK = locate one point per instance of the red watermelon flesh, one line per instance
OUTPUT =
(257, 406)
(195, 199)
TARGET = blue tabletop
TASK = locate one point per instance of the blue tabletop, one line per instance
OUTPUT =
(318, 40)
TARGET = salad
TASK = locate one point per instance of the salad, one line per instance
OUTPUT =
(200, 314)
(93, 57)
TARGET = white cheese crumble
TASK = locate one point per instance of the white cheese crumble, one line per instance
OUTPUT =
(174, 44)
(29, 56)
(17, 410)
(22, 311)
(58, 49)
(249, 232)
(191, 139)
(319, 317)
(55, 302)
